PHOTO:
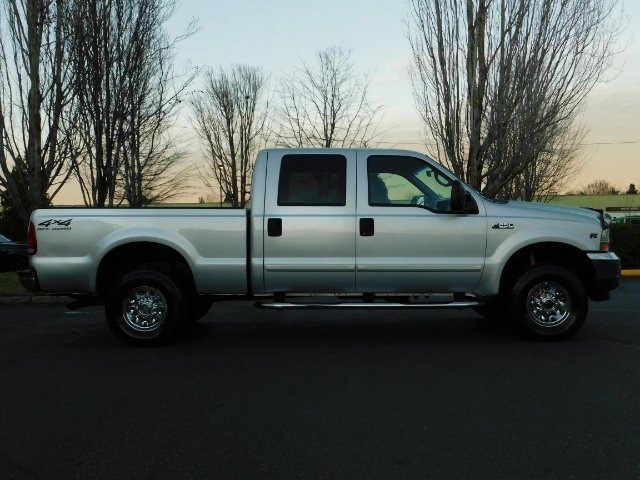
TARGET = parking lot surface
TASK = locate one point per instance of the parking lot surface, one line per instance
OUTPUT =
(257, 394)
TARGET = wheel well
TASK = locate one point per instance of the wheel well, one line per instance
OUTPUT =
(142, 255)
(550, 253)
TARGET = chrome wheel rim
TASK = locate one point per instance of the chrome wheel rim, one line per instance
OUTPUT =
(145, 309)
(548, 304)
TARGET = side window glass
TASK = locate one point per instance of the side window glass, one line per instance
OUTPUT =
(402, 181)
(313, 180)
(391, 189)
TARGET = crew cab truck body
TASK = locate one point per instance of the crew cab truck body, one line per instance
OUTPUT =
(373, 228)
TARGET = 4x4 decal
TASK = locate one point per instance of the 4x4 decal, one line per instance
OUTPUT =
(54, 224)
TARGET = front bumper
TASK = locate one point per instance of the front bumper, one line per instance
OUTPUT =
(29, 279)
(607, 269)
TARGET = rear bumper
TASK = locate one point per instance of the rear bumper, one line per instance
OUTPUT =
(607, 269)
(29, 279)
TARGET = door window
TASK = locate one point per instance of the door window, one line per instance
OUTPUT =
(403, 181)
(312, 180)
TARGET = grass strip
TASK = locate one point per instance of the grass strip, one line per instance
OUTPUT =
(10, 286)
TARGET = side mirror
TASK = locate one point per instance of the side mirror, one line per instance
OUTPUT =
(458, 196)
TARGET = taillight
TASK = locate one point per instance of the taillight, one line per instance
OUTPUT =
(605, 237)
(32, 243)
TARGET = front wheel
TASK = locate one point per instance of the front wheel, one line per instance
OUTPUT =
(549, 303)
(145, 308)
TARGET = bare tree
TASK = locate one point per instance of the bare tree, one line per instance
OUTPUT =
(326, 104)
(500, 83)
(34, 152)
(230, 117)
(127, 95)
(599, 187)
(550, 163)
(153, 157)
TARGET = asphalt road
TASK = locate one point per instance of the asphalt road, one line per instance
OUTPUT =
(251, 394)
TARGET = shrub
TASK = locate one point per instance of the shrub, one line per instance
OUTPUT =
(625, 242)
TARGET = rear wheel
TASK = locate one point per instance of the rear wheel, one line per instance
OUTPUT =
(146, 308)
(549, 303)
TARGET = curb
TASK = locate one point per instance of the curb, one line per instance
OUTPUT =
(630, 273)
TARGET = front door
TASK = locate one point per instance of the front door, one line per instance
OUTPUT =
(409, 241)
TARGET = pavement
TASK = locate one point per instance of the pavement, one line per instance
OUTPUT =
(255, 394)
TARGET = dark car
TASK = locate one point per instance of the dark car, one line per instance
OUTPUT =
(13, 255)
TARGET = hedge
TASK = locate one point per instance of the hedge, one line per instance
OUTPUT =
(625, 242)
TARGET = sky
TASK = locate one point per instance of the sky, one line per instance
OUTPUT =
(278, 34)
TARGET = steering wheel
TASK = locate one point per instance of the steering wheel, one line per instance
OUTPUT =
(443, 181)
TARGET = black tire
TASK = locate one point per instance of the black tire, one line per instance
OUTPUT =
(146, 308)
(198, 308)
(548, 303)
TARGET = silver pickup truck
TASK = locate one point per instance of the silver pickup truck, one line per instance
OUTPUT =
(330, 228)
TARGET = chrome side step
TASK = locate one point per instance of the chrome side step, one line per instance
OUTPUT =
(366, 306)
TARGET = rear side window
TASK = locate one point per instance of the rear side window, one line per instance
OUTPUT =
(313, 180)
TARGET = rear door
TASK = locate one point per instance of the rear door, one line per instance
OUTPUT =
(309, 221)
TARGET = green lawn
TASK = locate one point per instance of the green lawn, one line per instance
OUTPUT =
(10, 286)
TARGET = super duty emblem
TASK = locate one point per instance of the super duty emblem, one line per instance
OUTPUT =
(502, 226)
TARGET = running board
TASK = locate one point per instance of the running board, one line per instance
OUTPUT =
(365, 306)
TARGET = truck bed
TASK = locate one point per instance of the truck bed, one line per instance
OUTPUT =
(212, 241)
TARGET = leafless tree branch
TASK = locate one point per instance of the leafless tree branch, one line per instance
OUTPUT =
(230, 117)
(34, 94)
(126, 98)
(326, 104)
(500, 84)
